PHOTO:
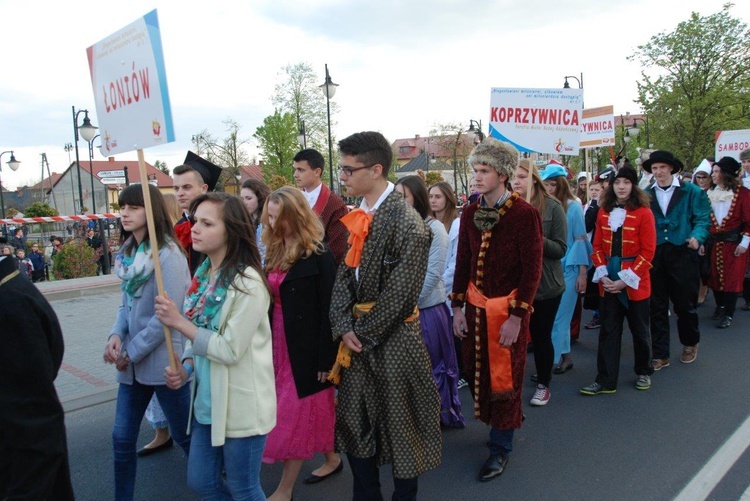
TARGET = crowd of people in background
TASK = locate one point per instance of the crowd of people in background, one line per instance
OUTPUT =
(300, 327)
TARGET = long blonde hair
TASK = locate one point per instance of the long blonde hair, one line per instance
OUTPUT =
(173, 207)
(539, 195)
(297, 231)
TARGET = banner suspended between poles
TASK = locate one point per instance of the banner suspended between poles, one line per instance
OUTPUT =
(58, 219)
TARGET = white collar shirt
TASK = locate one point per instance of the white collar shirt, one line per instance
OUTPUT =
(312, 196)
(664, 195)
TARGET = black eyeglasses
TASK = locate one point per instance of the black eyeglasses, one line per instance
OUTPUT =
(350, 170)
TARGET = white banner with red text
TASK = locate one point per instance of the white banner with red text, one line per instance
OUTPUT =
(130, 88)
(537, 120)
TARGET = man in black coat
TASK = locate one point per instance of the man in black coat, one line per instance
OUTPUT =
(33, 449)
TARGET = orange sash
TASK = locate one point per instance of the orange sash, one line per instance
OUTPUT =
(358, 223)
(497, 311)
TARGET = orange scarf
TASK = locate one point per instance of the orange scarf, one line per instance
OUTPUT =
(358, 223)
(497, 311)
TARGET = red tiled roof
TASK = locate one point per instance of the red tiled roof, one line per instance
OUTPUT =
(434, 146)
(134, 175)
(47, 186)
(251, 172)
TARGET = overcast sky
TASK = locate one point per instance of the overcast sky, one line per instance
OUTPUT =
(402, 65)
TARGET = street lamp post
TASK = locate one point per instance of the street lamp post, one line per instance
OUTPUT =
(329, 89)
(302, 136)
(13, 164)
(634, 130)
(475, 128)
(87, 133)
(566, 85)
(104, 239)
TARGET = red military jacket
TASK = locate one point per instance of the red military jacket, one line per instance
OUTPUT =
(638, 240)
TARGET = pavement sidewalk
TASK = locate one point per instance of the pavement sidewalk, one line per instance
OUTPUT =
(86, 309)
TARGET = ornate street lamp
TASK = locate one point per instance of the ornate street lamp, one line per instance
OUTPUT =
(475, 129)
(13, 164)
(87, 132)
(329, 89)
(634, 130)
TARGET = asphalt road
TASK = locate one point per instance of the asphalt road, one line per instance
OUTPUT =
(631, 445)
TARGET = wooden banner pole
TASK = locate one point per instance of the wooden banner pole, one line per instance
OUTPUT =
(154, 248)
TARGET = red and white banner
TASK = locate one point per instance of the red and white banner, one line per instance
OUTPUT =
(537, 120)
(730, 143)
(130, 88)
(58, 219)
(598, 127)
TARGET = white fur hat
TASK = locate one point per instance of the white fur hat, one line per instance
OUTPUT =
(502, 157)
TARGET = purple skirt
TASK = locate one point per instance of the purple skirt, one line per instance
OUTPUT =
(437, 335)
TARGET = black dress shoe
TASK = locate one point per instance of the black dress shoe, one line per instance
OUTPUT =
(493, 467)
(147, 452)
(314, 479)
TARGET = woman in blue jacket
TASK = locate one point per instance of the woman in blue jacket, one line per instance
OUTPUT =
(136, 342)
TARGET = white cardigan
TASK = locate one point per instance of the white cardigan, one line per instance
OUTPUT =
(243, 391)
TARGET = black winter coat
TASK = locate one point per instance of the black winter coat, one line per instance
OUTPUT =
(305, 303)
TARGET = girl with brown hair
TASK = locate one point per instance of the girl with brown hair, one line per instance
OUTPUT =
(575, 262)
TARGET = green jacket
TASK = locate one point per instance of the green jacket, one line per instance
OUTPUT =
(555, 230)
(688, 215)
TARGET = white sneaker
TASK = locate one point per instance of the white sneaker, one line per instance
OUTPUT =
(541, 396)
(462, 383)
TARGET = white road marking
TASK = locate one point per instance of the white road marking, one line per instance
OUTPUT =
(714, 470)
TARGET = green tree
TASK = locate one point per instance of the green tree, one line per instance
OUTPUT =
(298, 92)
(696, 81)
(39, 209)
(277, 140)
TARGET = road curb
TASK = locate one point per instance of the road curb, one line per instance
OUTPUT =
(81, 292)
(89, 399)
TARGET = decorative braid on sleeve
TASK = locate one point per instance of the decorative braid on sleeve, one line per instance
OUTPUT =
(521, 304)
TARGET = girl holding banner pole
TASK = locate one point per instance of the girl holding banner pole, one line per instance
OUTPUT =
(136, 342)
(233, 404)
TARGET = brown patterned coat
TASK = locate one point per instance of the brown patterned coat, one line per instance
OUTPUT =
(388, 403)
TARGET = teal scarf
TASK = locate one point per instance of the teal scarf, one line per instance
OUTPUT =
(204, 299)
(134, 268)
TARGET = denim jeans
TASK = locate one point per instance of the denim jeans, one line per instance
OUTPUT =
(501, 442)
(132, 400)
(239, 457)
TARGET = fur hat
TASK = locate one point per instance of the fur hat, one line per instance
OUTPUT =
(745, 154)
(664, 157)
(729, 165)
(628, 173)
(502, 157)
